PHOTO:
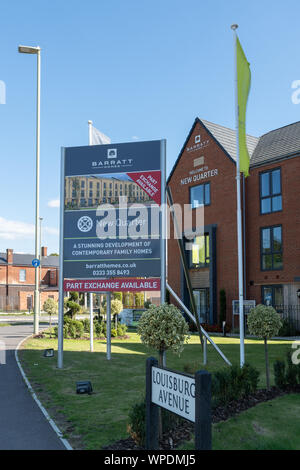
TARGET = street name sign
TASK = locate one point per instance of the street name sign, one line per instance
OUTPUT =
(174, 392)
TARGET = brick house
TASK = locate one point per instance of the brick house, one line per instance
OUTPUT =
(204, 175)
(17, 279)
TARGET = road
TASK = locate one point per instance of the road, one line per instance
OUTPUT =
(22, 424)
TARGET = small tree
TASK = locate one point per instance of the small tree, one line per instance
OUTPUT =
(71, 305)
(264, 322)
(116, 308)
(163, 328)
(51, 307)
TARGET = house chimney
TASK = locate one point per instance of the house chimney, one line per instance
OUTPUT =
(44, 251)
(9, 255)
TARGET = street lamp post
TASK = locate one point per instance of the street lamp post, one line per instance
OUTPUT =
(40, 266)
(37, 52)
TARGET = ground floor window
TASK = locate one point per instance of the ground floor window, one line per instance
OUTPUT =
(273, 295)
(201, 297)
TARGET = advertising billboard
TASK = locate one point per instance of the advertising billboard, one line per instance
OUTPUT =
(111, 219)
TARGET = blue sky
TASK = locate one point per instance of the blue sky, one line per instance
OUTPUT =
(141, 70)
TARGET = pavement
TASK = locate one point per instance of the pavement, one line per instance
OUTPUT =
(22, 424)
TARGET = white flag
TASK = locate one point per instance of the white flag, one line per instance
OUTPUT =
(98, 138)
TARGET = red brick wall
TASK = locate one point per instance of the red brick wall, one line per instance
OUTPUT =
(289, 218)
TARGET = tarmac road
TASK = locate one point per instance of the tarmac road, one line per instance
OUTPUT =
(22, 424)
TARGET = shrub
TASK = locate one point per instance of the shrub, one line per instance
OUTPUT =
(147, 303)
(291, 376)
(98, 329)
(279, 374)
(113, 333)
(121, 330)
(137, 422)
(287, 329)
(233, 383)
(86, 325)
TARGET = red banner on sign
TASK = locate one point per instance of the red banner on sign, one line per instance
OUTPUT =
(112, 285)
(150, 182)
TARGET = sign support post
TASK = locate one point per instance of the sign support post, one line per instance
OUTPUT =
(60, 332)
(91, 323)
(108, 326)
(151, 409)
(203, 410)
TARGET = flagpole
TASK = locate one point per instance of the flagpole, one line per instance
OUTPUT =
(90, 123)
(239, 212)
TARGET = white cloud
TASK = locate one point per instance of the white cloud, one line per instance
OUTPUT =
(14, 230)
(54, 203)
(135, 137)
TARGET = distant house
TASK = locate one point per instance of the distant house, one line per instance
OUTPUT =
(17, 280)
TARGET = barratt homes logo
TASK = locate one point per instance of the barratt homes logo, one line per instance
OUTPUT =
(112, 161)
(85, 223)
(112, 153)
(198, 144)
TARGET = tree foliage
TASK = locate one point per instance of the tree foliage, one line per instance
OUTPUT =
(163, 328)
(263, 321)
(50, 306)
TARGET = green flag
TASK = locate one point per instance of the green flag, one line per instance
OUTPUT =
(243, 85)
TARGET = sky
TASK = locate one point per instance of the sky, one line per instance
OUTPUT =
(140, 70)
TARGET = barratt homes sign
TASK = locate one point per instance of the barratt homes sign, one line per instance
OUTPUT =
(111, 211)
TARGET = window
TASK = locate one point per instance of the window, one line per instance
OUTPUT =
(201, 297)
(82, 183)
(273, 295)
(270, 191)
(200, 195)
(271, 248)
(22, 275)
(200, 252)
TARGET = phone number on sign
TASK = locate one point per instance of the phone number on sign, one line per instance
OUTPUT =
(111, 272)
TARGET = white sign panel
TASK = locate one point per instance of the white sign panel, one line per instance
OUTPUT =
(174, 392)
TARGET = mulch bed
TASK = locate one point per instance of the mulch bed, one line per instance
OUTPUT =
(183, 432)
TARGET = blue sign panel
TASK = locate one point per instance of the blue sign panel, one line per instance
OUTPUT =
(35, 263)
(112, 220)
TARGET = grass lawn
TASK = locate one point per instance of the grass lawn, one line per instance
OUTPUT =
(101, 418)
(274, 425)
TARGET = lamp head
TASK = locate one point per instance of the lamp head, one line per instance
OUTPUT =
(29, 49)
